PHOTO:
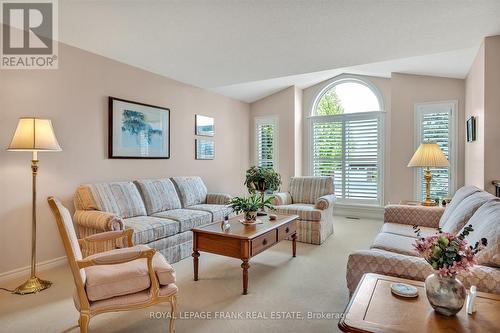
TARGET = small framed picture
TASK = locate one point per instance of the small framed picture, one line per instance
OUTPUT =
(471, 129)
(138, 130)
(204, 125)
(205, 149)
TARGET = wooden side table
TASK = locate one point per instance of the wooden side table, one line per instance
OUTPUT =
(373, 308)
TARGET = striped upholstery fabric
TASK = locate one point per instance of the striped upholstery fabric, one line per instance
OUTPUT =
(309, 189)
(460, 195)
(192, 190)
(306, 212)
(218, 198)
(461, 214)
(187, 218)
(176, 247)
(325, 201)
(120, 198)
(94, 219)
(148, 229)
(158, 195)
(314, 232)
(282, 198)
(218, 211)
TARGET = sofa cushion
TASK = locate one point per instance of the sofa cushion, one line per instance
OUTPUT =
(306, 212)
(461, 214)
(460, 195)
(187, 218)
(158, 195)
(218, 211)
(148, 229)
(407, 230)
(106, 281)
(309, 189)
(486, 224)
(395, 243)
(192, 190)
(120, 198)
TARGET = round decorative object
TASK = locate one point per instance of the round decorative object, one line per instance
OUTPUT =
(404, 290)
(273, 217)
(445, 294)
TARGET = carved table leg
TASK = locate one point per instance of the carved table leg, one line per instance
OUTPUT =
(245, 265)
(294, 244)
(195, 255)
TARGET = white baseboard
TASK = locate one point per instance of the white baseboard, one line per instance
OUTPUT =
(359, 211)
(25, 271)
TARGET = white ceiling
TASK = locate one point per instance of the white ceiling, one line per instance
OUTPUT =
(250, 49)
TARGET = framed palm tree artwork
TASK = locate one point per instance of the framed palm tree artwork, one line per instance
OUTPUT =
(138, 130)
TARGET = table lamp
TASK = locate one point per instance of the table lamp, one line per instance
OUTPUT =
(34, 135)
(428, 155)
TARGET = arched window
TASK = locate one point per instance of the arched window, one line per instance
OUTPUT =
(347, 139)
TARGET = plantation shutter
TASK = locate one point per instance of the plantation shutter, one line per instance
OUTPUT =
(266, 149)
(435, 127)
(347, 146)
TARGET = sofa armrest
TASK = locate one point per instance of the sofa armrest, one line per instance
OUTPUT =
(282, 198)
(486, 279)
(97, 220)
(325, 202)
(413, 215)
(218, 198)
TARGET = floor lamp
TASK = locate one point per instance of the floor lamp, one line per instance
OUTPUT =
(428, 155)
(34, 135)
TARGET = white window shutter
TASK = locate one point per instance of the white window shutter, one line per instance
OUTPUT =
(266, 129)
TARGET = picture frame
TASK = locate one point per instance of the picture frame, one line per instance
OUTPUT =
(204, 126)
(471, 129)
(137, 130)
(204, 149)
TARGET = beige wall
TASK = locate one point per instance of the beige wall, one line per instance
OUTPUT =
(406, 90)
(285, 105)
(75, 98)
(474, 97)
(492, 107)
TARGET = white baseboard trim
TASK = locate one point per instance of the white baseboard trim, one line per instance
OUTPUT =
(359, 211)
(25, 271)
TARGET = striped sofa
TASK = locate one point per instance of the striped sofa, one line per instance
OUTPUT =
(160, 211)
(312, 199)
(392, 252)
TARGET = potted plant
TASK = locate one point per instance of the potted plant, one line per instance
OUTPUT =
(448, 255)
(262, 180)
(249, 206)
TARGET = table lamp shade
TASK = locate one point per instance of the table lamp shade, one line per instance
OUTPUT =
(429, 155)
(34, 134)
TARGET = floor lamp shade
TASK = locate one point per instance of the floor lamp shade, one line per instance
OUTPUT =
(35, 135)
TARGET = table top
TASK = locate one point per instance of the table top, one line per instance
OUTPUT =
(239, 230)
(373, 308)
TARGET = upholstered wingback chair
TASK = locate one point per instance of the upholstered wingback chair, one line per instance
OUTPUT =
(122, 279)
(312, 199)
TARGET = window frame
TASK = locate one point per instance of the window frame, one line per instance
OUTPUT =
(267, 120)
(345, 78)
(453, 144)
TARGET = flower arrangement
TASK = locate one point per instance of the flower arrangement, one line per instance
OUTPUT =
(448, 255)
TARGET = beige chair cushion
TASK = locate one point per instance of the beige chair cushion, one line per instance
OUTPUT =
(306, 212)
(106, 281)
(407, 230)
(126, 300)
(395, 243)
(309, 189)
(486, 224)
(461, 214)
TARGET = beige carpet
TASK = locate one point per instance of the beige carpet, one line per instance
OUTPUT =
(314, 281)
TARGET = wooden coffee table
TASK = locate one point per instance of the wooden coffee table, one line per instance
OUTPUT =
(373, 308)
(243, 241)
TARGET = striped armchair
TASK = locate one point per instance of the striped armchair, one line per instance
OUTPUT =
(312, 199)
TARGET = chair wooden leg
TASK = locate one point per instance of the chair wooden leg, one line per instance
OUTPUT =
(83, 322)
(173, 310)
